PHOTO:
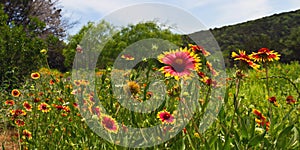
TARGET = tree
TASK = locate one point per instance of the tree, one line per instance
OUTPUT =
(19, 52)
(91, 33)
(134, 33)
(43, 19)
(41, 16)
(292, 44)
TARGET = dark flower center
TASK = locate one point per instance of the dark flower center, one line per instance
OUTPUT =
(166, 116)
(109, 124)
(178, 65)
(44, 107)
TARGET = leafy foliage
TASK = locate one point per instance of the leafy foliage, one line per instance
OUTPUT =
(19, 52)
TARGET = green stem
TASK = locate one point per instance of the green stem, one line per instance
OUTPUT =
(267, 79)
(237, 90)
(268, 90)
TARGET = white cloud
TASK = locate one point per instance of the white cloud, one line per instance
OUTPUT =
(214, 13)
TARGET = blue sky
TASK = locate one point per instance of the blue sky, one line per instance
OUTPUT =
(211, 13)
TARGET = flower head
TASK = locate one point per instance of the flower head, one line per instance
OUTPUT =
(9, 102)
(35, 75)
(211, 69)
(15, 93)
(258, 114)
(27, 134)
(244, 58)
(197, 48)
(27, 106)
(290, 100)
(18, 112)
(19, 122)
(179, 63)
(262, 122)
(109, 123)
(44, 107)
(133, 87)
(265, 55)
(165, 117)
(273, 101)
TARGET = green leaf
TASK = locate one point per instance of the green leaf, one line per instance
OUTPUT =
(243, 128)
(282, 137)
(256, 140)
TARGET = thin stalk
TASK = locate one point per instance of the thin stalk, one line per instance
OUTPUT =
(267, 79)
(237, 90)
(268, 90)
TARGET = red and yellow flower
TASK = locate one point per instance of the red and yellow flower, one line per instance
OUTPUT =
(197, 48)
(35, 75)
(10, 102)
(27, 106)
(44, 107)
(211, 69)
(18, 112)
(19, 122)
(179, 63)
(258, 114)
(165, 117)
(109, 123)
(261, 120)
(15, 93)
(290, 100)
(244, 58)
(273, 101)
(27, 134)
(265, 55)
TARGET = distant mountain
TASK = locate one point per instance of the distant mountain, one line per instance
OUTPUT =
(279, 32)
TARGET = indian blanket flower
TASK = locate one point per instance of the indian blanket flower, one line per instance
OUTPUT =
(244, 58)
(261, 120)
(258, 114)
(18, 112)
(265, 55)
(165, 117)
(44, 107)
(263, 123)
(127, 57)
(179, 63)
(27, 106)
(109, 123)
(27, 134)
(96, 110)
(211, 69)
(19, 122)
(35, 75)
(15, 93)
(273, 101)
(36, 100)
(9, 102)
(197, 48)
(290, 100)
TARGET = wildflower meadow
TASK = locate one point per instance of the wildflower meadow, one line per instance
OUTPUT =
(257, 108)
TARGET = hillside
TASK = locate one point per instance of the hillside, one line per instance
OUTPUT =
(280, 32)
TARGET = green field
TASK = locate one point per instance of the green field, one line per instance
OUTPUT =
(52, 110)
